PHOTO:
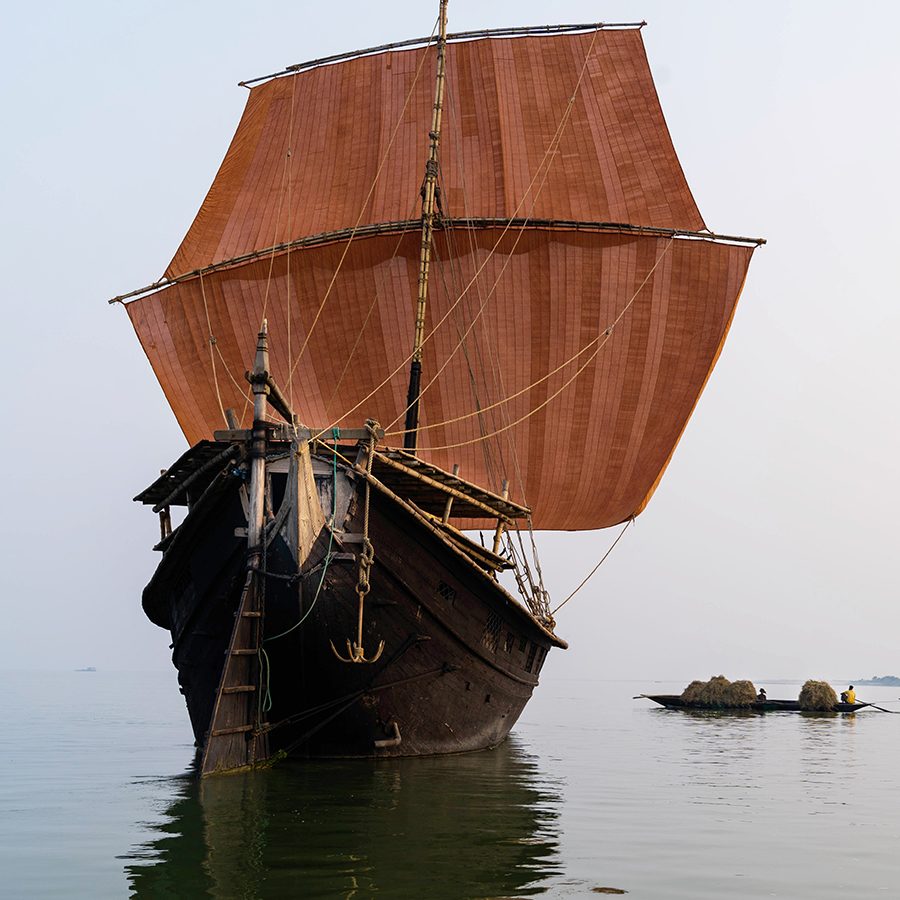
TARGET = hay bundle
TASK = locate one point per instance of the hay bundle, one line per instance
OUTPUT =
(743, 693)
(720, 693)
(692, 692)
(716, 692)
(817, 695)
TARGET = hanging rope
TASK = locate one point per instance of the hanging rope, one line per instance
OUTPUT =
(362, 211)
(606, 336)
(290, 231)
(550, 152)
(212, 355)
(500, 390)
(355, 650)
(369, 312)
(549, 156)
(590, 574)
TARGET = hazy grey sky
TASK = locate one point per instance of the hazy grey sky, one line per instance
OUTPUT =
(769, 549)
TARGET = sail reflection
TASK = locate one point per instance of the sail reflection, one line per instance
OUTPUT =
(479, 825)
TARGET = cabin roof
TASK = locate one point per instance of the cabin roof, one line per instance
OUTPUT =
(429, 487)
(187, 466)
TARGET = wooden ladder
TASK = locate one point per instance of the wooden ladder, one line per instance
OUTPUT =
(234, 740)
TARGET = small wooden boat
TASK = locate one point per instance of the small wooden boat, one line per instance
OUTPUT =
(674, 701)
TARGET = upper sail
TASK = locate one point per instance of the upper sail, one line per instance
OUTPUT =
(503, 104)
(570, 332)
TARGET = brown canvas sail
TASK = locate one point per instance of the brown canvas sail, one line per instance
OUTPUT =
(569, 332)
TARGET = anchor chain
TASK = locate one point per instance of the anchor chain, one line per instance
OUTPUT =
(355, 651)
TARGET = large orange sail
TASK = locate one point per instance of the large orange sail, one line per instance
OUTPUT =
(570, 329)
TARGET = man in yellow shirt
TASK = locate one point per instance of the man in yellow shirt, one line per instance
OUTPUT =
(850, 695)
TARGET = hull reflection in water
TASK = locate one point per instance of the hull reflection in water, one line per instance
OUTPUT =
(481, 825)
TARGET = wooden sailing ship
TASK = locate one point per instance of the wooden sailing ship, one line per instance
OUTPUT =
(512, 341)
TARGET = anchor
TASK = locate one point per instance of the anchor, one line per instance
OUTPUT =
(356, 653)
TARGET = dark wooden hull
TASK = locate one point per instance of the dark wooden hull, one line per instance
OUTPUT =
(461, 657)
(674, 701)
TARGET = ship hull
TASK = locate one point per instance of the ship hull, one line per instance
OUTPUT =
(460, 656)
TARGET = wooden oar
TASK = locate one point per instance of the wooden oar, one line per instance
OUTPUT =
(881, 708)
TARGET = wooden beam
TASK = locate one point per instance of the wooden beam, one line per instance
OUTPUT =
(517, 31)
(493, 512)
(218, 460)
(447, 223)
(286, 433)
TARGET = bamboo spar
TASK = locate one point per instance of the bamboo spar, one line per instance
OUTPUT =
(431, 169)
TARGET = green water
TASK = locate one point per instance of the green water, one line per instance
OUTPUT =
(593, 790)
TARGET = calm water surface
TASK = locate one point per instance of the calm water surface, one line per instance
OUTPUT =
(594, 789)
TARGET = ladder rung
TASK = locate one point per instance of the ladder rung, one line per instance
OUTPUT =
(239, 689)
(244, 652)
(248, 614)
(235, 729)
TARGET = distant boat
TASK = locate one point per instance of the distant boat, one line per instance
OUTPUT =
(87, 669)
(674, 701)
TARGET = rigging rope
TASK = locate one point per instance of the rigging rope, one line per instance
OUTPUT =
(606, 334)
(550, 155)
(290, 230)
(496, 372)
(365, 203)
(369, 312)
(212, 355)
(590, 574)
(509, 223)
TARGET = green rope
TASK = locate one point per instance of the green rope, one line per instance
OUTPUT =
(265, 697)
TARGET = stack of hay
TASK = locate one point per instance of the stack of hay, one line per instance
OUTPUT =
(817, 696)
(720, 693)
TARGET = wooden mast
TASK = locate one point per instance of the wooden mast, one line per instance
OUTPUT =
(410, 438)
(259, 382)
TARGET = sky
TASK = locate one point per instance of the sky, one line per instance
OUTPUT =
(769, 549)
